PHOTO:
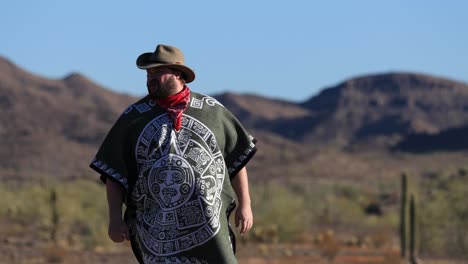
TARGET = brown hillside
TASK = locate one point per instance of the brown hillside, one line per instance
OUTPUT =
(248, 106)
(387, 107)
(51, 127)
(376, 110)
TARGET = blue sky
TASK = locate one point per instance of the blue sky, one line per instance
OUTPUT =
(280, 49)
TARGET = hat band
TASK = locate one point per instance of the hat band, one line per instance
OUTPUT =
(165, 62)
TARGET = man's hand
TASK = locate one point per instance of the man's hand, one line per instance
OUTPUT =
(244, 218)
(118, 231)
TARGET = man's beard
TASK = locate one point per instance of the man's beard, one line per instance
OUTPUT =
(156, 89)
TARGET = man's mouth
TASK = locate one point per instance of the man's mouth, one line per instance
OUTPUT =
(153, 87)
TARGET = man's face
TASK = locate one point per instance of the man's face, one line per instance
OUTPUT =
(161, 82)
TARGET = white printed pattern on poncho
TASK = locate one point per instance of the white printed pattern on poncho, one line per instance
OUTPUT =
(178, 190)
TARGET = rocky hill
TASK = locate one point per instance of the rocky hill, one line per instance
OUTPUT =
(383, 109)
(53, 127)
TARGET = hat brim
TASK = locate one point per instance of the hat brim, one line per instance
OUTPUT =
(144, 62)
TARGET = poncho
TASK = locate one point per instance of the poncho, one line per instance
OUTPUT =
(177, 184)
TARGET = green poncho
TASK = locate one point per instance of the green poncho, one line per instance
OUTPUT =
(178, 188)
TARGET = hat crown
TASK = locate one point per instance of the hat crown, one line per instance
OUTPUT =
(167, 54)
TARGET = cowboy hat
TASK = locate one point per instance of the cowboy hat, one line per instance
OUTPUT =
(166, 56)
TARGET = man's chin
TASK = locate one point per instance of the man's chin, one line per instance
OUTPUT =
(153, 96)
(152, 90)
(156, 95)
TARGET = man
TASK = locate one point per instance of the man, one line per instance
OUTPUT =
(177, 159)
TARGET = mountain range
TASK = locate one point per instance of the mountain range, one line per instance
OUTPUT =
(368, 124)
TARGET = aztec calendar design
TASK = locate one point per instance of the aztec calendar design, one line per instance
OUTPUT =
(178, 191)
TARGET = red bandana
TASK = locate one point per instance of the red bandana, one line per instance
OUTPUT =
(176, 105)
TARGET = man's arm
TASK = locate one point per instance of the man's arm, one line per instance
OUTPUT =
(118, 229)
(244, 215)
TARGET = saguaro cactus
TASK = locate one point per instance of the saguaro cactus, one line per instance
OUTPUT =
(412, 215)
(55, 215)
(404, 221)
(404, 193)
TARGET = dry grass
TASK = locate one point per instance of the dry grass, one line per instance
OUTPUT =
(55, 254)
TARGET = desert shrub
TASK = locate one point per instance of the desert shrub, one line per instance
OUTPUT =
(55, 254)
(392, 256)
(277, 207)
(340, 211)
(382, 237)
(336, 204)
(444, 214)
(81, 217)
(299, 210)
(329, 246)
(23, 203)
(296, 211)
(83, 210)
(26, 206)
